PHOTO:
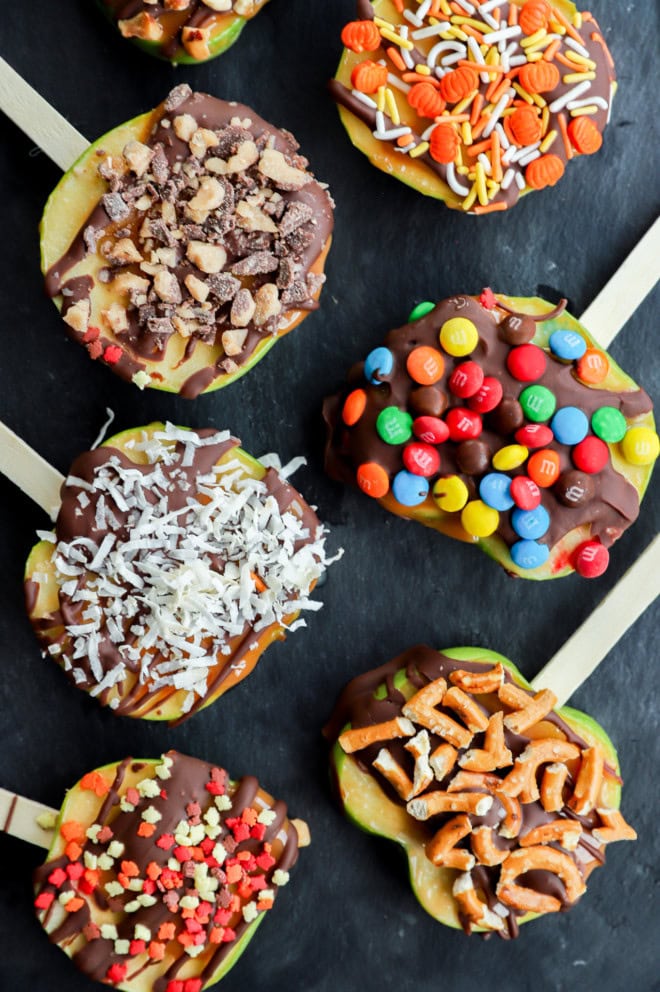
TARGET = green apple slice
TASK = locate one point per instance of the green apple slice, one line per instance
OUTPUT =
(369, 808)
(221, 33)
(71, 203)
(80, 811)
(166, 704)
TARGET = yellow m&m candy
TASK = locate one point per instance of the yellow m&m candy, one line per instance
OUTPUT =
(510, 457)
(450, 493)
(459, 336)
(479, 520)
(640, 446)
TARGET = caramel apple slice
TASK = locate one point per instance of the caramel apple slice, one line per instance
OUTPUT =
(182, 31)
(176, 559)
(502, 422)
(471, 104)
(159, 871)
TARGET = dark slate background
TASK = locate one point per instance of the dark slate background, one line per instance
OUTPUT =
(348, 922)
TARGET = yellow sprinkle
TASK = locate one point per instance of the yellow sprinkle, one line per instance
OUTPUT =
(420, 149)
(533, 38)
(578, 77)
(509, 111)
(547, 142)
(579, 59)
(493, 57)
(480, 183)
(471, 21)
(445, 8)
(523, 93)
(397, 39)
(380, 98)
(455, 32)
(466, 133)
(470, 198)
(465, 103)
(390, 100)
(535, 57)
(585, 111)
(462, 170)
(540, 45)
(493, 187)
(545, 118)
(538, 100)
(380, 22)
(577, 19)
(557, 28)
(423, 70)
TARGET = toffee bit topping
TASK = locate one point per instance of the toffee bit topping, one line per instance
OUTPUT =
(494, 98)
(165, 899)
(177, 565)
(502, 799)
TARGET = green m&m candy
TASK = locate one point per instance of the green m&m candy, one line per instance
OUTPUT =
(394, 426)
(609, 424)
(420, 310)
(538, 403)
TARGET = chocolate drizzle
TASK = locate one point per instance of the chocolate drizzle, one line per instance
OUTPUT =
(614, 502)
(358, 706)
(185, 793)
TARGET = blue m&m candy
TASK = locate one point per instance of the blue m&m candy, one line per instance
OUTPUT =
(409, 489)
(530, 524)
(381, 361)
(495, 491)
(569, 425)
(529, 554)
(568, 345)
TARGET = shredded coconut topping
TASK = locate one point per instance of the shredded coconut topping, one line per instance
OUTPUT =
(167, 589)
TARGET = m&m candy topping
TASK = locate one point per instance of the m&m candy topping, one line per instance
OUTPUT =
(500, 426)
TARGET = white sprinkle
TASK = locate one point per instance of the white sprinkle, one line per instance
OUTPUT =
(520, 180)
(577, 47)
(513, 32)
(101, 433)
(508, 178)
(597, 101)
(572, 94)
(431, 31)
(497, 112)
(443, 46)
(530, 157)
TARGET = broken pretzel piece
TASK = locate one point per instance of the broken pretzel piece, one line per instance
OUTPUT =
(471, 906)
(421, 709)
(442, 849)
(539, 858)
(358, 738)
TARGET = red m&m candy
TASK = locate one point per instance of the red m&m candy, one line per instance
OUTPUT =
(421, 459)
(430, 429)
(526, 363)
(525, 493)
(590, 559)
(463, 424)
(488, 395)
(591, 455)
(534, 435)
(466, 379)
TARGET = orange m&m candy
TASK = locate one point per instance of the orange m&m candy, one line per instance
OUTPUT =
(593, 366)
(373, 479)
(425, 365)
(543, 467)
(353, 408)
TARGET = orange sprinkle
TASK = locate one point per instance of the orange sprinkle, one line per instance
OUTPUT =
(507, 128)
(94, 782)
(458, 83)
(399, 5)
(368, 76)
(361, 36)
(563, 20)
(533, 16)
(490, 208)
(130, 868)
(444, 143)
(476, 108)
(501, 89)
(426, 100)
(477, 35)
(492, 86)
(403, 140)
(146, 829)
(72, 830)
(571, 65)
(544, 171)
(434, 9)
(568, 148)
(166, 931)
(584, 135)
(496, 158)
(482, 146)
(513, 15)
(414, 77)
(453, 118)
(259, 583)
(156, 951)
(525, 125)
(395, 56)
(480, 125)
(74, 904)
(601, 41)
(481, 68)
(73, 850)
(539, 77)
(552, 50)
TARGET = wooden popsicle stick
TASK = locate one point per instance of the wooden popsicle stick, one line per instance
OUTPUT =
(628, 287)
(18, 817)
(592, 642)
(41, 122)
(29, 471)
